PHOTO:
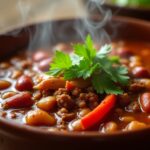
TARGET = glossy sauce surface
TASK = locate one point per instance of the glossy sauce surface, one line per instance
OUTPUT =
(127, 115)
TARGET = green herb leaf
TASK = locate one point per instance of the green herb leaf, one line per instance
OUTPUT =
(87, 50)
(114, 59)
(75, 59)
(104, 71)
(120, 74)
(104, 51)
(104, 84)
(61, 62)
(71, 73)
(54, 72)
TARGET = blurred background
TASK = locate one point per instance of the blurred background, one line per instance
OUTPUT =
(131, 3)
(16, 13)
(132, 8)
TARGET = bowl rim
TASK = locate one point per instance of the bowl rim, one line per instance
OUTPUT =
(17, 128)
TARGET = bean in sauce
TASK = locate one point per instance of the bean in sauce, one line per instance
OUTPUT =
(26, 96)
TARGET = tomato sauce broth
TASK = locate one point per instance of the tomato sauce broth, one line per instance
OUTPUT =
(128, 113)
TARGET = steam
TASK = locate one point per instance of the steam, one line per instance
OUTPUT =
(95, 27)
(24, 8)
(29, 12)
(45, 34)
(42, 37)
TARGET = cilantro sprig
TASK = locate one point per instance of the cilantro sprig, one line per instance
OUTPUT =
(106, 73)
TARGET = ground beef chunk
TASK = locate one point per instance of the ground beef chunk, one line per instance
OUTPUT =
(90, 98)
(76, 92)
(64, 100)
(68, 117)
(65, 115)
(81, 103)
(83, 96)
(61, 91)
(90, 89)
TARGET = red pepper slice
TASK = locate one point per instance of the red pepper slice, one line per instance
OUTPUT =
(99, 112)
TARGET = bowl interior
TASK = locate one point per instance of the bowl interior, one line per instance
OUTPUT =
(118, 28)
(66, 31)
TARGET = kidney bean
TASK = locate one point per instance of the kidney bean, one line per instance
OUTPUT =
(140, 72)
(145, 102)
(24, 83)
(44, 64)
(39, 117)
(47, 103)
(40, 55)
(20, 100)
(4, 84)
